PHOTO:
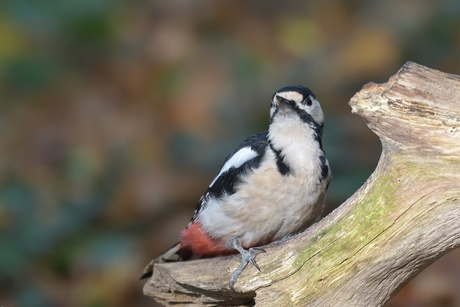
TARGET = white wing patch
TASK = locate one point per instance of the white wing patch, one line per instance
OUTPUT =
(239, 158)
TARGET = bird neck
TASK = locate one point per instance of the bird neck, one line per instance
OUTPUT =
(296, 144)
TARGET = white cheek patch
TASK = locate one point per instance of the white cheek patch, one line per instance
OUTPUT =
(239, 158)
(316, 112)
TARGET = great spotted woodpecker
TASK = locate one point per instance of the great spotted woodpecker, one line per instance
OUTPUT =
(272, 186)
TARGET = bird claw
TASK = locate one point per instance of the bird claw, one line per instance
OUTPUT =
(247, 256)
(258, 248)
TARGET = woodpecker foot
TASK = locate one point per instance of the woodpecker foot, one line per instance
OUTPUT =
(247, 256)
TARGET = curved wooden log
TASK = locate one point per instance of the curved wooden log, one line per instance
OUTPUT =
(402, 219)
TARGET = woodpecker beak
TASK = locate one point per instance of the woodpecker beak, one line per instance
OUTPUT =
(284, 104)
(282, 100)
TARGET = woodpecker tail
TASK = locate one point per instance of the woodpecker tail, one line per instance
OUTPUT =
(173, 254)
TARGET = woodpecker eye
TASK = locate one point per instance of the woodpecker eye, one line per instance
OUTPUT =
(308, 101)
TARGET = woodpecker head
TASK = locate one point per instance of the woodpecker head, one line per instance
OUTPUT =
(296, 100)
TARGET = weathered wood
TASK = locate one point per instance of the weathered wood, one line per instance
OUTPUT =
(402, 219)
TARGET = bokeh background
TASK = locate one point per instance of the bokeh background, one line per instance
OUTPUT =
(115, 116)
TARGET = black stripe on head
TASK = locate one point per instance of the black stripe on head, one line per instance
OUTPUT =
(307, 118)
(304, 116)
(304, 91)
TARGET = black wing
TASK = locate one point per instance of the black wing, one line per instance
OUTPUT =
(252, 151)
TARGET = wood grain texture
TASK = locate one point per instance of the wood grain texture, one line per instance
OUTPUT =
(402, 219)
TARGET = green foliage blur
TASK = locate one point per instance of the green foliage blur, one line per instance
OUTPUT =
(115, 116)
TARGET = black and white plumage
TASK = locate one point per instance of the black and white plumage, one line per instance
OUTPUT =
(272, 186)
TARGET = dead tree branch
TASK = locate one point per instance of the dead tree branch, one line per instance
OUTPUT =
(402, 219)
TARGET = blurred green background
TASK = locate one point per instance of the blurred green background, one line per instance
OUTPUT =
(115, 116)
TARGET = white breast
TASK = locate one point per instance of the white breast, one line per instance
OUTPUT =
(268, 205)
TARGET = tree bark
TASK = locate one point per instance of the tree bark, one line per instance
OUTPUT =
(402, 219)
